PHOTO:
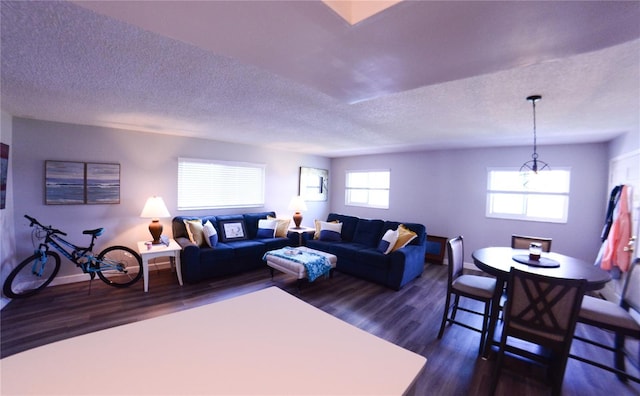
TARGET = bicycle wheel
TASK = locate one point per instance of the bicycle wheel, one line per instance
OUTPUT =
(31, 275)
(119, 266)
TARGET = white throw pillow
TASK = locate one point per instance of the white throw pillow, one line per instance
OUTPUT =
(388, 241)
(330, 231)
(267, 228)
(210, 234)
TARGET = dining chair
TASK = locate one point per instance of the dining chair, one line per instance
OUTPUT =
(541, 311)
(615, 318)
(476, 287)
(523, 241)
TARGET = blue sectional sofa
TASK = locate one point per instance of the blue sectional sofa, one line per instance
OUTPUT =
(203, 262)
(358, 253)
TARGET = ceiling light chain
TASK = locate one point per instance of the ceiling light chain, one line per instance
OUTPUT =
(534, 165)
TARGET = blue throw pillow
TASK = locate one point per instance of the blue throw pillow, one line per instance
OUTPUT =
(266, 228)
(330, 232)
(210, 234)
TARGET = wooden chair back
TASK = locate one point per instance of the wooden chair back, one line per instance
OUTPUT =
(523, 241)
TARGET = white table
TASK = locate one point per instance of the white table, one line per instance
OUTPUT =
(172, 251)
(301, 231)
(262, 343)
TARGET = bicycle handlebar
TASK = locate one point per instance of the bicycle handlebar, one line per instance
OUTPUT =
(47, 228)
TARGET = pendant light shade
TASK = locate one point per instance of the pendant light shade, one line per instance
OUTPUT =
(535, 165)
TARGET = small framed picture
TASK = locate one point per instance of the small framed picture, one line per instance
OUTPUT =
(232, 230)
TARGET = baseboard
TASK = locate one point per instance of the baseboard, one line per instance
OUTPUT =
(82, 277)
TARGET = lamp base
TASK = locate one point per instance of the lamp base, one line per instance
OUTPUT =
(297, 219)
(155, 228)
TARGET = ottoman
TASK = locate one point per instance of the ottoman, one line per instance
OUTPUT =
(291, 267)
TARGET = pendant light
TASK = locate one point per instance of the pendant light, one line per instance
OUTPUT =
(535, 164)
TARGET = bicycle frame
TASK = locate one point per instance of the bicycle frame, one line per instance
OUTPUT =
(91, 265)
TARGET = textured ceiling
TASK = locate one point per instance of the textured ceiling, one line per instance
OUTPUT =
(294, 75)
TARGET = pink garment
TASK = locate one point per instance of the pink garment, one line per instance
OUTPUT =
(614, 254)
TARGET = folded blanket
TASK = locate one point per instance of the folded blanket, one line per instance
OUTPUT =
(315, 264)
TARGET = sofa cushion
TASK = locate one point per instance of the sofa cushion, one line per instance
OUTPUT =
(388, 241)
(248, 248)
(368, 232)
(222, 252)
(210, 234)
(344, 250)
(405, 236)
(266, 228)
(373, 258)
(330, 231)
(349, 225)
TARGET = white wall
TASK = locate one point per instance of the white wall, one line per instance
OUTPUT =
(7, 239)
(446, 191)
(148, 167)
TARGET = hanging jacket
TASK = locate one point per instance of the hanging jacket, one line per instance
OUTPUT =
(614, 253)
(613, 202)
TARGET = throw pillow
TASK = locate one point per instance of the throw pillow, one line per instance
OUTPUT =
(283, 226)
(194, 229)
(316, 235)
(405, 236)
(388, 241)
(210, 234)
(266, 228)
(330, 231)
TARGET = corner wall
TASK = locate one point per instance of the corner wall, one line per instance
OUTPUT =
(7, 239)
(148, 166)
(446, 191)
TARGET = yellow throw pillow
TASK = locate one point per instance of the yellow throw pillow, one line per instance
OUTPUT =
(282, 228)
(405, 236)
(194, 229)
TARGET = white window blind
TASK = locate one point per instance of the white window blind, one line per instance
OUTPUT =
(535, 197)
(206, 184)
(368, 188)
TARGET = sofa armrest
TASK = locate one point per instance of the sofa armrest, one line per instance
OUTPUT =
(184, 242)
(406, 264)
(189, 259)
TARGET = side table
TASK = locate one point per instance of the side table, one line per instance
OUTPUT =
(172, 251)
(301, 231)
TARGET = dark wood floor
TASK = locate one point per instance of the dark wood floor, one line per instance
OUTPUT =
(409, 318)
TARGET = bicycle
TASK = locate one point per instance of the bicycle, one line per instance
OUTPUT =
(117, 266)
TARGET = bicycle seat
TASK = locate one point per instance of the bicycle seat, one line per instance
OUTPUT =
(96, 232)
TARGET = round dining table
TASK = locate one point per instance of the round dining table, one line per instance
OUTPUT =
(498, 261)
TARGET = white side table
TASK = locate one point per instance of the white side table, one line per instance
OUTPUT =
(301, 231)
(172, 251)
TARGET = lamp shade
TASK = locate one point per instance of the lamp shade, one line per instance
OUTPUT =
(154, 209)
(297, 204)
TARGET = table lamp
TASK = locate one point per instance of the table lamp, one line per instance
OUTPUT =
(155, 209)
(297, 205)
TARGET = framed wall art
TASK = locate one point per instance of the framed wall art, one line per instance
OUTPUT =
(314, 184)
(77, 183)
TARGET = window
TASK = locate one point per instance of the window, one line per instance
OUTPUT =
(206, 184)
(368, 188)
(535, 197)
